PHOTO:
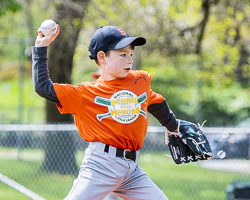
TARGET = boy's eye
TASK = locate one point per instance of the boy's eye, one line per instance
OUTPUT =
(124, 55)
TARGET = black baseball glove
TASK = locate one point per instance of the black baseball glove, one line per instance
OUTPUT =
(188, 144)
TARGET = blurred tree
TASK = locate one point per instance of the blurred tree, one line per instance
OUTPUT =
(60, 149)
(9, 5)
(194, 48)
(224, 65)
(29, 19)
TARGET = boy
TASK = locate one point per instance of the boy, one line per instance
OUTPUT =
(110, 114)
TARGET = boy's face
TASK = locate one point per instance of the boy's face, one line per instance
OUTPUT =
(118, 63)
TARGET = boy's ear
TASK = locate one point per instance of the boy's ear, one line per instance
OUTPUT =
(101, 57)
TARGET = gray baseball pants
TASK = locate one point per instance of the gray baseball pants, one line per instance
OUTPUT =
(102, 173)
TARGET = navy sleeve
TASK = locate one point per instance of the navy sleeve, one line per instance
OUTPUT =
(42, 83)
(164, 115)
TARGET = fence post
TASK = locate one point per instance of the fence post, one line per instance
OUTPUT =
(21, 81)
(248, 146)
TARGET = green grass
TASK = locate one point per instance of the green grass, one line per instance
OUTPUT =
(8, 193)
(32, 109)
(19, 103)
(50, 186)
(25, 168)
(187, 182)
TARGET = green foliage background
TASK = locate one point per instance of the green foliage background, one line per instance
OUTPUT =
(198, 86)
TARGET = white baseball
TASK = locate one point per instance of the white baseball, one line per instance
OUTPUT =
(47, 25)
(221, 154)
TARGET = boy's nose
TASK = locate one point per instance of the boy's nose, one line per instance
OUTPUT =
(130, 60)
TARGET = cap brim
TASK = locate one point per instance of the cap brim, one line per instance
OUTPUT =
(138, 41)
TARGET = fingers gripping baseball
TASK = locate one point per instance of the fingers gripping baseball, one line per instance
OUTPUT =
(43, 40)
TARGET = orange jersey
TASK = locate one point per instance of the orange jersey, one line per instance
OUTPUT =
(113, 112)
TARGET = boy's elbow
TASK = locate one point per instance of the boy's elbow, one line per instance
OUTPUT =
(38, 90)
(35, 88)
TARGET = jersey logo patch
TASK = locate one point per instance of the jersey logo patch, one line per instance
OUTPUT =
(123, 106)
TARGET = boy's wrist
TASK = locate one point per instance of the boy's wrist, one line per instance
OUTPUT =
(39, 51)
(41, 43)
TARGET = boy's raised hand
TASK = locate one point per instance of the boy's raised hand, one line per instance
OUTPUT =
(42, 40)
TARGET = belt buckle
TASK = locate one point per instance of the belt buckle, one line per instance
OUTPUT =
(124, 154)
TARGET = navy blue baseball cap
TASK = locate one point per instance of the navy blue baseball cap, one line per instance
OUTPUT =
(111, 37)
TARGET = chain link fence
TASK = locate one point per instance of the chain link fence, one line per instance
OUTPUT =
(41, 162)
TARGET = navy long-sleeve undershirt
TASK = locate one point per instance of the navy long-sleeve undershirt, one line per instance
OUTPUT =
(42, 83)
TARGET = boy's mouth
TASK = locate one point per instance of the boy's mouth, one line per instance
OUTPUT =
(127, 69)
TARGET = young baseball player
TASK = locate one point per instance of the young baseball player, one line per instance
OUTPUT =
(110, 114)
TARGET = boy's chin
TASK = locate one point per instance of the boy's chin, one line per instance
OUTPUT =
(123, 76)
